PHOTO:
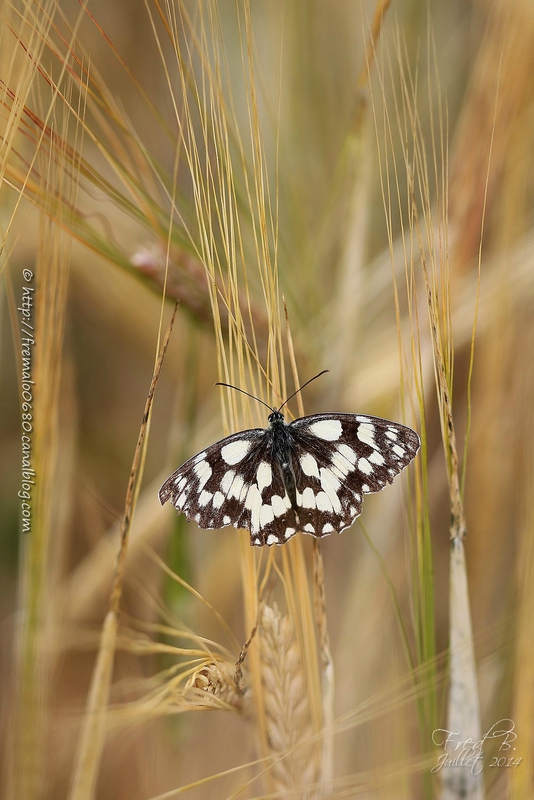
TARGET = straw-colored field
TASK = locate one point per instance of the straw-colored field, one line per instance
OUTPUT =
(310, 186)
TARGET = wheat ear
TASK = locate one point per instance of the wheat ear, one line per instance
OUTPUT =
(289, 725)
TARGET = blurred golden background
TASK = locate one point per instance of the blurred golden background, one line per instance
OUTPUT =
(247, 156)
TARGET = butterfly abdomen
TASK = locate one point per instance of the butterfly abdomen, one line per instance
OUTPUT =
(282, 452)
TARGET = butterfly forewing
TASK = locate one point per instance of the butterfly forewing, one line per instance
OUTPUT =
(210, 487)
(370, 451)
(307, 476)
(337, 458)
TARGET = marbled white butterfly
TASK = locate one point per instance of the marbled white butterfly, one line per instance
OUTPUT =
(309, 475)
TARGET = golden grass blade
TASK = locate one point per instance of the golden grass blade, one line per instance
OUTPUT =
(326, 772)
(464, 710)
(429, 227)
(401, 121)
(36, 23)
(522, 779)
(80, 593)
(93, 727)
(46, 431)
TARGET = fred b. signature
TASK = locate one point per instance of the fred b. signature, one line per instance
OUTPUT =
(469, 752)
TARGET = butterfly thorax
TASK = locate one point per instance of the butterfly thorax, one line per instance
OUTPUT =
(281, 448)
(281, 438)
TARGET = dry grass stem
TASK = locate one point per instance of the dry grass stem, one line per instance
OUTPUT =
(463, 702)
(523, 708)
(93, 728)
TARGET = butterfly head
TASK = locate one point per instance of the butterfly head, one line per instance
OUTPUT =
(275, 416)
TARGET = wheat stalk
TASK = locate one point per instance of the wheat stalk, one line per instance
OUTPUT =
(285, 698)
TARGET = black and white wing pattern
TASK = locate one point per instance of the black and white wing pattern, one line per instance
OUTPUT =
(341, 457)
(217, 487)
(309, 475)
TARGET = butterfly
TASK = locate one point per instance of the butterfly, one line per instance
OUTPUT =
(308, 475)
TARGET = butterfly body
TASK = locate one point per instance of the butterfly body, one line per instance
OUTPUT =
(281, 447)
(308, 475)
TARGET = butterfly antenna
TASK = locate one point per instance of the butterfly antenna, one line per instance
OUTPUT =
(229, 386)
(302, 387)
